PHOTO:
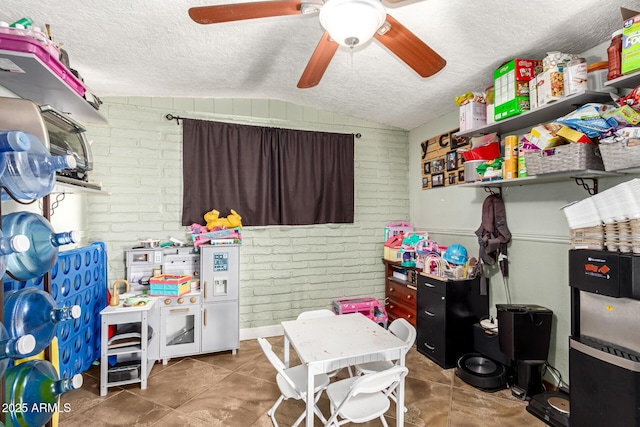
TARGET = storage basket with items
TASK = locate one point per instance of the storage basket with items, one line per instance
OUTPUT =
(621, 148)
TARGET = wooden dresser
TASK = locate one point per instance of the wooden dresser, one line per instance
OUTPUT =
(400, 294)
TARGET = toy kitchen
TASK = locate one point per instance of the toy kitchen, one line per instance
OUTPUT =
(183, 300)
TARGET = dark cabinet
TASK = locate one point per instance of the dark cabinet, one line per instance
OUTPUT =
(400, 294)
(447, 311)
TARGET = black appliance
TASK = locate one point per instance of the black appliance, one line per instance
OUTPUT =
(524, 337)
(604, 348)
(487, 369)
(552, 407)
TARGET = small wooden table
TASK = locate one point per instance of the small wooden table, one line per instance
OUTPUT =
(329, 343)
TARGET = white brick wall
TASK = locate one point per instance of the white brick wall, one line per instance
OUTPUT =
(283, 270)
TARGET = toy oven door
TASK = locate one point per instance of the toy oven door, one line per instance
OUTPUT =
(180, 331)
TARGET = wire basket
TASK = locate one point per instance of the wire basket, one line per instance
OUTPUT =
(565, 158)
(620, 155)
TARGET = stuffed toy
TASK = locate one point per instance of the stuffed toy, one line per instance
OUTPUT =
(213, 220)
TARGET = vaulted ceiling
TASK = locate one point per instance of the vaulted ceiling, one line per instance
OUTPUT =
(152, 48)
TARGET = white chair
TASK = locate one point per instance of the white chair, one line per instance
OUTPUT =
(364, 398)
(403, 330)
(312, 314)
(293, 384)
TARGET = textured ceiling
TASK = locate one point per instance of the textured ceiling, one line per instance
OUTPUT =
(152, 48)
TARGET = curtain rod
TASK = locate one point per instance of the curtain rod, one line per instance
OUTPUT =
(172, 117)
(178, 118)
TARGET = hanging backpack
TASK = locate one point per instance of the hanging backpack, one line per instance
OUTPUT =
(493, 235)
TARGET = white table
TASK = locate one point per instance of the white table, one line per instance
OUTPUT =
(329, 343)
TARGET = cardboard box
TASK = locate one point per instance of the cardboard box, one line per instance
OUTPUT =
(572, 135)
(491, 117)
(630, 41)
(533, 93)
(511, 86)
(472, 115)
(550, 86)
(545, 136)
(624, 115)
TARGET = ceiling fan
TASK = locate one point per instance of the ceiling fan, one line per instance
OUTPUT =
(346, 22)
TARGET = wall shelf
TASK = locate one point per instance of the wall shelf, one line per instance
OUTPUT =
(546, 113)
(71, 187)
(628, 81)
(39, 84)
(540, 179)
(577, 176)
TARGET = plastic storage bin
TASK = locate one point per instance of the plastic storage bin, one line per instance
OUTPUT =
(24, 44)
(170, 285)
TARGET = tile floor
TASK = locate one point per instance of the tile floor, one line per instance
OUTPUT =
(224, 390)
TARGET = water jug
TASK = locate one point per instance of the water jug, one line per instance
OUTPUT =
(9, 245)
(43, 252)
(32, 390)
(33, 311)
(12, 141)
(12, 348)
(31, 174)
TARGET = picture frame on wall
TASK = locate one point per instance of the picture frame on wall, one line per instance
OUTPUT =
(458, 141)
(437, 165)
(452, 161)
(437, 179)
(426, 168)
(460, 158)
(461, 175)
(425, 182)
(452, 178)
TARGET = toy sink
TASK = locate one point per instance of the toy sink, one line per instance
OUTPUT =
(137, 300)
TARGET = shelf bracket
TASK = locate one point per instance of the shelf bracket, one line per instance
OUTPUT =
(593, 189)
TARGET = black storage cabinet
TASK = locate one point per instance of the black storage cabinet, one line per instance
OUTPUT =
(447, 311)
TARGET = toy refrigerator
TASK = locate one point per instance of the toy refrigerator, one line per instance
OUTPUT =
(220, 283)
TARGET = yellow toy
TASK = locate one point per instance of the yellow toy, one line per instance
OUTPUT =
(213, 220)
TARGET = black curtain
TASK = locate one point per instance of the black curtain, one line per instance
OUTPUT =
(270, 176)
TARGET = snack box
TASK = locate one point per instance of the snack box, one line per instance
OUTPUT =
(472, 115)
(533, 93)
(511, 86)
(550, 86)
(630, 54)
(624, 115)
(545, 136)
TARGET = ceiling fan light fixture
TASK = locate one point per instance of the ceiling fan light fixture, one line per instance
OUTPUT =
(352, 22)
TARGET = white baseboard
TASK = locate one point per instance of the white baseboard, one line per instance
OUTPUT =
(261, 331)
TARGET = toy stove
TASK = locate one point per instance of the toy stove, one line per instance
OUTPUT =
(181, 319)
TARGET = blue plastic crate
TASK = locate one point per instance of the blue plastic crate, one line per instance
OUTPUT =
(78, 277)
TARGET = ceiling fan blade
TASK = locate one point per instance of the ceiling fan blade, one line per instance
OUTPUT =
(240, 11)
(410, 49)
(318, 63)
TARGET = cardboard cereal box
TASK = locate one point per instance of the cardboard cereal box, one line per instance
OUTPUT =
(511, 85)
(630, 54)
